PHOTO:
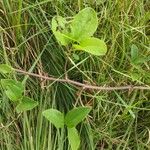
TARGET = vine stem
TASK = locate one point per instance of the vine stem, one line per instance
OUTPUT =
(84, 86)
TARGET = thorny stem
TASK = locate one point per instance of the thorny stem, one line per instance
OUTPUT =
(84, 86)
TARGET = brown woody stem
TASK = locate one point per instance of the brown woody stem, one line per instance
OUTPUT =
(84, 86)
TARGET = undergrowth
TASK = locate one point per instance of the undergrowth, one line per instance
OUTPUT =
(119, 120)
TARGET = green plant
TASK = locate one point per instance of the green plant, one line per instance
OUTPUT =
(14, 91)
(136, 57)
(79, 32)
(71, 120)
(24, 34)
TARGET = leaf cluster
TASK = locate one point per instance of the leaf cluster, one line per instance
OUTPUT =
(14, 91)
(79, 32)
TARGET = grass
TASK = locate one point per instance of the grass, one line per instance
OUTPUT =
(119, 120)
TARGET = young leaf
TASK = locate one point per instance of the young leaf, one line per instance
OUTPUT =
(136, 57)
(10, 82)
(92, 45)
(26, 104)
(4, 68)
(76, 57)
(13, 89)
(73, 137)
(76, 115)
(55, 117)
(59, 29)
(13, 93)
(141, 60)
(134, 52)
(84, 24)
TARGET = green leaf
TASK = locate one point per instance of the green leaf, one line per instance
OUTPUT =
(55, 117)
(59, 28)
(10, 82)
(13, 94)
(76, 115)
(76, 57)
(134, 52)
(84, 24)
(146, 17)
(92, 45)
(141, 60)
(74, 139)
(26, 104)
(13, 89)
(4, 68)
(136, 57)
(135, 76)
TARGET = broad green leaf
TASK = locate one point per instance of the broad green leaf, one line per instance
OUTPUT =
(59, 28)
(74, 139)
(92, 45)
(4, 68)
(141, 60)
(84, 24)
(136, 57)
(134, 52)
(76, 115)
(55, 117)
(13, 89)
(13, 93)
(26, 104)
(76, 57)
(10, 82)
